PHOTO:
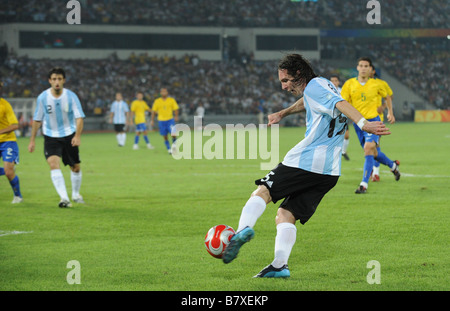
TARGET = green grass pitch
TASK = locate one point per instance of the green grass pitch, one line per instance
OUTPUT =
(146, 215)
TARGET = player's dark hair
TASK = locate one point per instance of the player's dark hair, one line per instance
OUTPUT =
(298, 67)
(335, 76)
(58, 71)
(365, 59)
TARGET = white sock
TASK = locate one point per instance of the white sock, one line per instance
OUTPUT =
(252, 210)
(76, 183)
(284, 241)
(118, 139)
(123, 138)
(345, 145)
(376, 170)
(59, 183)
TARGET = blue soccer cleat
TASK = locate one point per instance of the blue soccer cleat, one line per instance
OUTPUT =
(236, 242)
(272, 272)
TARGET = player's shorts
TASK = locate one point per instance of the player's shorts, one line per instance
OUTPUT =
(141, 127)
(62, 147)
(166, 127)
(9, 152)
(365, 137)
(301, 190)
(119, 128)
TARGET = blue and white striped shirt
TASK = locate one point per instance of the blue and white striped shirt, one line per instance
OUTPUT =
(120, 109)
(320, 150)
(58, 115)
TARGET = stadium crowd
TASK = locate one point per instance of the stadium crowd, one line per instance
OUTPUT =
(237, 13)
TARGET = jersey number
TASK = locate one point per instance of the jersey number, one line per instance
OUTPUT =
(342, 119)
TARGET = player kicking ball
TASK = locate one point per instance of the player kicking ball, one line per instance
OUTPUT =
(309, 170)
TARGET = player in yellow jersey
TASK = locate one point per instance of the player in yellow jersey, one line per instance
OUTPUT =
(382, 106)
(364, 93)
(138, 109)
(9, 150)
(167, 109)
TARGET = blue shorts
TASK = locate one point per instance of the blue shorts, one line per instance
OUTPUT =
(365, 137)
(141, 127)
(166, 127)
(9, 151)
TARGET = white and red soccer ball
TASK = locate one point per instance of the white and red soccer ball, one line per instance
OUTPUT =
(217, 239)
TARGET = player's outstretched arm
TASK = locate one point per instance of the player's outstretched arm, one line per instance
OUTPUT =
(34, 129)
(376, 127)
(276, 117)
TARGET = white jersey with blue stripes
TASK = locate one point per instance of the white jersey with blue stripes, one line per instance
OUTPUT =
(58, 115)
(120, 109)
(320, 150)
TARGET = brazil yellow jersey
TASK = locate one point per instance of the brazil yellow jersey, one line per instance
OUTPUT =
(7, 118)
(139, 107)
(365, 98)
(165, 108)
(389, 92)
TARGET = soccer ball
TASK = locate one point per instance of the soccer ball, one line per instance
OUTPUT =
(217, 239)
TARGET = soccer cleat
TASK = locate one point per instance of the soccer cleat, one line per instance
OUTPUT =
(346, 156)
(239, 239)
(64, 203)
(135, 147)
(150, 146)
(395, 171)
(272, 272)
(375, 178)
(17, 199)
(174, 149)
(78, 199)
(361, 189)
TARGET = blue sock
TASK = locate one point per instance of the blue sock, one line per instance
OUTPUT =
(15, 185)
(146, 139)
(2, 171)
(368, 166)
(383, 159)
(167, 144)
(136, 139)
(174, 139)
(376, 163)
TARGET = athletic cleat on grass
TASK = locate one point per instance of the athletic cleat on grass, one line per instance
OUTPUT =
(375, 178)
(17, 199)
(78, 199)
(395, 171)
(239, 239)
(346, 156)
(64, 204)
(272, 272)
(361, 189)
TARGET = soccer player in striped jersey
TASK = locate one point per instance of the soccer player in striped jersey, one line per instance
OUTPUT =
(364, 94)
(59, 112)
(138, 109)
(382, 106)
(9, 150)
(120, 116)
(167, 109)
(309, 170)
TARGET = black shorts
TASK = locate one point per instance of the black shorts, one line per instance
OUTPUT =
(62, 147)
(119, 128)
(301, 190)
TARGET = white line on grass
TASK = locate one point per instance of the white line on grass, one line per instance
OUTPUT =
(3, 233)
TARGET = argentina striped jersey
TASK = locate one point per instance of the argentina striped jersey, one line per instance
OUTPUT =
(120, 109)
(58, 115)
(320, 150)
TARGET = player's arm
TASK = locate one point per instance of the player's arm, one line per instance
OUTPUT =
(34, 129)
(76, 140)
(390, 114)
(175, 112)
(152, 120)
(111, 115)
(375, 127)
(276, 117)
(9, 128)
